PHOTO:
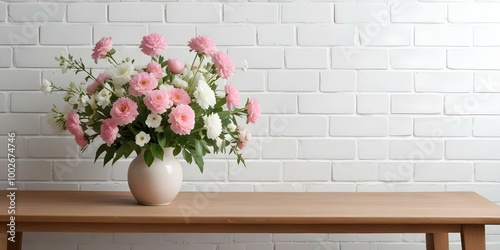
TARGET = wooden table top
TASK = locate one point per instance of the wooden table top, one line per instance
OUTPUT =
(254, 208)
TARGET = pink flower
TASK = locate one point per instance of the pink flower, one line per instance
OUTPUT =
(142, 84)
(92, 88)
(243, 138)
(179, 96)
(224, 64)
(124, 111)
(81, 140)
(253, 111)
(232, 96)
(181, 119)
(175, 66)
(158, 101)
(153, 44)
(102, 48)
(109, 131)
(203, 45)
(155, 69)
(73, 122)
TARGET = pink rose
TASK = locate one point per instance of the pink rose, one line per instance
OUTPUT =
(142, 84)
(102, 48)
(179, 96)
(181, 119)
(253, 111)
(175, 66)
(232, 96)
(73, 122)
(109, 131)
(153, 44)
(155, 69)
(81, 140)
(124, 111)
(243, 138)
(224, 64)
(158, 101)
(202, 45)
(92, 88)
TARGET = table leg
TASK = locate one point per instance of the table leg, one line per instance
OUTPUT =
(473, 237)
(437, 241)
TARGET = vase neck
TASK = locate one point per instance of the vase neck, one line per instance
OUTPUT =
(168, 151)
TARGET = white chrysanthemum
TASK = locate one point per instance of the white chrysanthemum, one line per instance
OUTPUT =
(218, 142)
(204, 95)
(213, 125)
(153, 120)
(74, 99)
(142, 139)
(179, 83)
(231, 127)
(120, 92)
(104, 96)
(122, 73)
(46, 86)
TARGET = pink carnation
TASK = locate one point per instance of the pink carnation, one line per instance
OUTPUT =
(179, 96)
(124, 111)
(109, 131)
(202, 45)
(73, 122)
(81, 140)
(102, 48)
(155, 69)
(92, 88)
(142, 84)
(224, 64)
(181, 119)
(158, 101)
(253, 111)
(175, 66)
(232, 96)
(243, 138)
(153, 44)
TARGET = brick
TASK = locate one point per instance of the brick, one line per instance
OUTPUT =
(338, 81)
(444, 171)
(306, 246)
(52, 147)
(297, 126)
(303, 237)
(473, 13)
(477, 58)
(121, 34)
(252, 57)
(487, 104)
(339, 149)
(373, 104)
(39, 103)
(486, 126)
(443, 35)
(39, 57)
(3, 103)
(306, 58)
(276, 35)
(418, 58)
(256, 171)
(325, 35)
(290, 80)
(307, 13)
(488, 191)
(229, 34)
(361, 13)
(81, 170)
(19, 79)
(419, 13)
(421, 149)
(356, 126)
(396, 246)
(252, 238)
(212, 171)
(307, 171)
(251, 13)
(52, 186)
(66, 34)
(20, 123)
(486, 36)
(135, 12)
(193, 12)
(372, 149)
(278, 148)
(29, 170)
(486, 171)
(457, 82)
(383, 81)
(380, 237)
(355, 171)
(396, 171)
(443, 126)
(331, 187)
(21, 144)
(3, 12)
(356, 58)
(378, 35)
(488, 81)
(249, 80)
(87, 13)
(337, 103)
(18, 35)
(472, 149)
(36, 12)
(5, 57)
(419, 104)
(277, 103)
(259, 246)
(175, 34)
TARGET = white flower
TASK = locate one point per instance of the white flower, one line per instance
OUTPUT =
(179, 83)
(103, 97)
(142, 138)
(84, 101)
(231, 127)
(120, 92)
(218, 142)
(74, 99)
(153, 120)
(122, 73)
(46, 86)
(166, 87)
(213, 125)
(92, 103)
(64, 68)
(205, 96)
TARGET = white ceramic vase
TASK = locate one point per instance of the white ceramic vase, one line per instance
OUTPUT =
(158, 184)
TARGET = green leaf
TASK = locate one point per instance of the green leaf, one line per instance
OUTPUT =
(119, 154)
(199, 161)
(177, 150)
(109, 155)
(127, 150)
(156, 151)
(187, 156)
(148, 157)
(100, 150)
(198, 147)
(162, 140)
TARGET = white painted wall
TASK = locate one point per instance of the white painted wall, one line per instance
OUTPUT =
(356, 96)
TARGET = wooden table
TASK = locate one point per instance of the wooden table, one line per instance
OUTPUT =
(435, 214)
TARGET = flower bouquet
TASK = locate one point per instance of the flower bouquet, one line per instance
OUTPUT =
(162, 104)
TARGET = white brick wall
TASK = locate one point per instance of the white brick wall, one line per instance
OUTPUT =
(356, 96)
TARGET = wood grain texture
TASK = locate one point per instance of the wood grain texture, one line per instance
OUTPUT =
(437, 241)
(473, 237)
